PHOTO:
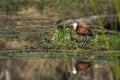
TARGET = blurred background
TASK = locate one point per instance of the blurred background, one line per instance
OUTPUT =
(27, 49)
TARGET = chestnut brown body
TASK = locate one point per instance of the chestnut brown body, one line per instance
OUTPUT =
(83, 31)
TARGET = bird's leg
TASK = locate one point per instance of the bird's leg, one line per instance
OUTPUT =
(85, 41)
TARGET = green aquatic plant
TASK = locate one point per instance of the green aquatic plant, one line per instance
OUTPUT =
(61, 34)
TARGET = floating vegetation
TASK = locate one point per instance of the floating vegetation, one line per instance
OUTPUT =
(65, 38)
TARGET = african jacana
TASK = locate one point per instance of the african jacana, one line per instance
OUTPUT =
(82, 30)
(80, 65)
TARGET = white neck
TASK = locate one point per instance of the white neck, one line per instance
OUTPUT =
(74, 26)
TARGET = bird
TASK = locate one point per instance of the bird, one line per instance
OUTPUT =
(80, 65)
(82, 30)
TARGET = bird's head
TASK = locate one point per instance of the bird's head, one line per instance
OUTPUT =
(74, 25)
